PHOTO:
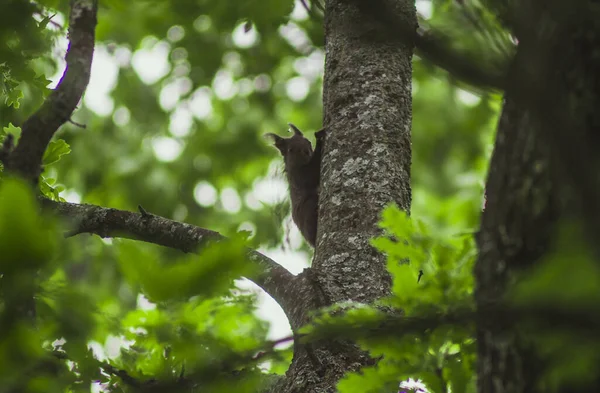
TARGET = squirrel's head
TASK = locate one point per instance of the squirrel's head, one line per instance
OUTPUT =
(296, 150)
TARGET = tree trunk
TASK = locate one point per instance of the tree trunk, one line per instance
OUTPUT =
(366, 166)
(543, 170)
(515, 229)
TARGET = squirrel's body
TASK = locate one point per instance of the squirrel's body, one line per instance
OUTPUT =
(303, 170)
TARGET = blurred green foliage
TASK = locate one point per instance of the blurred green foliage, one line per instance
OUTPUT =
(441, 356)
(179, 100)
(567, 283)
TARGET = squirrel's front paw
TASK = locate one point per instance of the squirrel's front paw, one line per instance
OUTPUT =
(321, 134)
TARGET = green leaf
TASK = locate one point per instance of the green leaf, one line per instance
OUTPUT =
(268, 15)
(40, 82)
(456, 373)
(397, 222)
(12, 130)
(370, 379)
(56, 149)
(405, 283)
(26, 239)
(20, 347)
(208, 274)
(44, 22)
(13, 97)
(47, 189)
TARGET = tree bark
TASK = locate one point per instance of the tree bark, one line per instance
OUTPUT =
(520, 214)
(544, 169)
(366, 166)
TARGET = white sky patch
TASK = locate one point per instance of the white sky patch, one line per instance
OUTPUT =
(113, 345)
(172, 92)
(294, 237)
(59, 50)
(98, 387)
(71, 196)
(181, 121)
(249, 227)
(252, 202)
(182, 69)
(97, 349)
(299, 13)
(179, 54)
(123, 56)
(104, 72)
(57, 18)
(102, 105)
(103, 80)
(151, 64)
(297, 88)
(262, 83)
(467, 97)
(270, 190)
(144, 304)
(311, 66)
(230, 200)
(175, 33)
(166, 149)
(268, 309)
(243, 39)
(121, 116)
(223, 85)
(205, 194)
(295, 36)
(233, 62)
(295, 261)
(245, 87)
(200, 103)
(424, 7)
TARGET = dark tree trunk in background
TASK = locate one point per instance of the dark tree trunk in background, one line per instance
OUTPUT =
(544, 169)
(366, 166)
(515, 231)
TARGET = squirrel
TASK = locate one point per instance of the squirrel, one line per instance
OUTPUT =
(303, 171)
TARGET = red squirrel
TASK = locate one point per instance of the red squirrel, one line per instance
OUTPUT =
(303, 171)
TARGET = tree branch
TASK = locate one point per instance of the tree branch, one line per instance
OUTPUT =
(38, 129)
(434, 47)
(107, 222)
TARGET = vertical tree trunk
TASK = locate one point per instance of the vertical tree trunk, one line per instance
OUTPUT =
(366, 166)
(544, 168)
(367, 101)
(520, 214)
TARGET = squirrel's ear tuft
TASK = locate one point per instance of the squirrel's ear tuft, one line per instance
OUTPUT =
(273, 137)
(278, 141)
(295, 129)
